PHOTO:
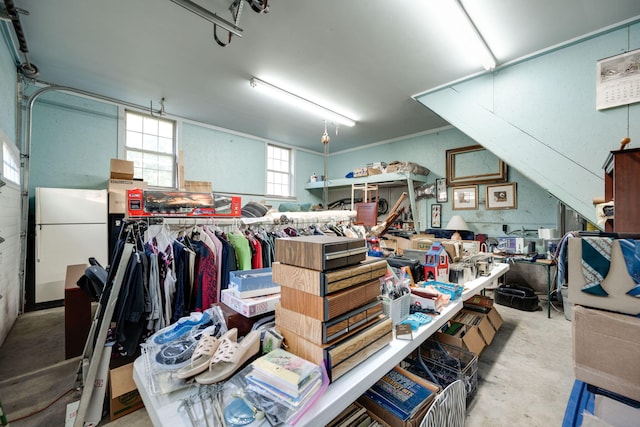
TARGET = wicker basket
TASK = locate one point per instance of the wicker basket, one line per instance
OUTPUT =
(397, 309)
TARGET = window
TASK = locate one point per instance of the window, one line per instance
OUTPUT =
(150, 144)
(278, 171)
(10, 164)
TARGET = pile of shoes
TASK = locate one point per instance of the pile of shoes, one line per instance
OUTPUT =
(199, 347)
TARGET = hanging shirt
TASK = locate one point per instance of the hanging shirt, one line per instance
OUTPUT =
(243, 250)
(229, 262)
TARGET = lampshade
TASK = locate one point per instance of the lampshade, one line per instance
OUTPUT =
(457, 223)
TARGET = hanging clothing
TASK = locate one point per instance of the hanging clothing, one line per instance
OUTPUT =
(130, 308)
(243, 251)
(229, 262)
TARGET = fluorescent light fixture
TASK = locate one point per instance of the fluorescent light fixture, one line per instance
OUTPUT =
(485, 56)
(209, 16)
(300, 102)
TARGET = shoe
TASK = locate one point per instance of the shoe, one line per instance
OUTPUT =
(182, 326)
(229, 357)
(204, 351)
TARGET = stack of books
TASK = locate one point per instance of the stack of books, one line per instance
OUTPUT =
(285, 377)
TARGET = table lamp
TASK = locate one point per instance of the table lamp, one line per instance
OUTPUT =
(457, 223)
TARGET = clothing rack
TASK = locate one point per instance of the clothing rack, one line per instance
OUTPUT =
(275, 218)
(134, 229)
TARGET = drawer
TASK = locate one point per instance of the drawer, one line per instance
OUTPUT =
(323, 283)
(331, 306)
(320, 252)
(319, 332)
(342, 356)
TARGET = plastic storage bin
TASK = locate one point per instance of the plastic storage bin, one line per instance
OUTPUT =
(397, 309)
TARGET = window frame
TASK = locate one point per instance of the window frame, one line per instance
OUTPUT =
(13, 162)
(288, 173)
(174, 145)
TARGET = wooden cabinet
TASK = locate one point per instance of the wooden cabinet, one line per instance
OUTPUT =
(622, 185)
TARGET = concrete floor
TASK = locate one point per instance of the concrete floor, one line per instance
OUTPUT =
(525, 375)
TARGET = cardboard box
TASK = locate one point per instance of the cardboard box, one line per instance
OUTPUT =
(359, 172)
(250, 307)
(125, 397)
(467, 338)
(606, 346)
(117, 189)
(495, 318)
(484, 304)
(479, 321)
(198, 186)
(121, 169)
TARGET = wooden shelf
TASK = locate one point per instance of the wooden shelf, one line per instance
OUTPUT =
(383, 179)
(396, 179)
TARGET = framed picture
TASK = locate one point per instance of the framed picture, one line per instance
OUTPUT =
(464, 197)
(474, 165)
(441, 190)
(502, 196)
(436, 216)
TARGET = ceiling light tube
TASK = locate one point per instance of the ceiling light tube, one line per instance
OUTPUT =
(209, 16)
(298, 101)
(487, 58)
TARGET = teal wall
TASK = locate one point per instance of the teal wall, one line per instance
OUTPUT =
(237, 164)
(8, 103)
(540, 116)
(73, 138)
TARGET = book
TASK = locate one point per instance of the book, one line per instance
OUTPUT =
(400, 392)
(284, 370)
(268, 390)
(273, 383)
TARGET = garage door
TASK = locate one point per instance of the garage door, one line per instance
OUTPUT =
(9, 237)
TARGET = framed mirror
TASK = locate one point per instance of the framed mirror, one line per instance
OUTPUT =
(474, 165)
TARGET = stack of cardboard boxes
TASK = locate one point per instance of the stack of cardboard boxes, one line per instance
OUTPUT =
(121, 180)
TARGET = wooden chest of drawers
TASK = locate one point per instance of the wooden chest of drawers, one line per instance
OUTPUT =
(320, 252)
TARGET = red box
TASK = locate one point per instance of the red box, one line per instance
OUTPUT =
(146, 203)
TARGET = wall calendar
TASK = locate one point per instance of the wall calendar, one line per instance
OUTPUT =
(618, 80)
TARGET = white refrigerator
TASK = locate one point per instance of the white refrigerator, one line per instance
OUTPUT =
(70, 227)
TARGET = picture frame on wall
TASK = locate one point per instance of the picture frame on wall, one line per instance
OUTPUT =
(502, 196)
(436, 215)
(441, 190)
(464, 197)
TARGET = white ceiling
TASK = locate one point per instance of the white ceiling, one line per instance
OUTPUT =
(363, 58)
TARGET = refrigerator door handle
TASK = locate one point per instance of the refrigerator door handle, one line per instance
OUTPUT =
(38, 242)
